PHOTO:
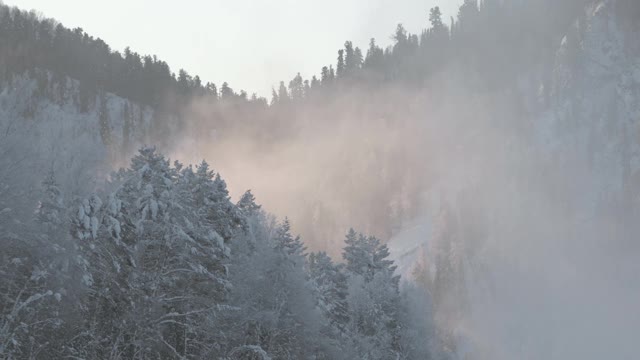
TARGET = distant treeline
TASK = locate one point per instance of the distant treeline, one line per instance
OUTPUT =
(486, 48)
(475, 38)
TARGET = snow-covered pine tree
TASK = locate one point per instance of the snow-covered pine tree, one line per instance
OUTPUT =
(51, 209)
(247, 204)
(366, 256)
(356, 253)
(33, 271)
(330, 285)
(291, 246)
(254, 219)
(276, 301)
(178, 279)
(213, 203)
(373, 297)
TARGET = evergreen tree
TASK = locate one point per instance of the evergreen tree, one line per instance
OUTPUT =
(247, 204)
(341, 65)
(435, 18)
(373, 297)
(375, 56)
(157, 204)
(283, 95)
(51, 210)
(324, 76)
(307, 88)
(274, 97)
(296, 88)
(358, 58)
(366, 256)
(226, 93)
(276, 307)
(212, 201)
(467, 16)
(350, 62)
(315, 83)
(400, 36)
(212, 90)
(286, 243)
(331, 285)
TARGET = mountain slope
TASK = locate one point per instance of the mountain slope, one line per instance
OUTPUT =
(557, 250)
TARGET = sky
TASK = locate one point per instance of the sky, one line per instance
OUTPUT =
(251, 44)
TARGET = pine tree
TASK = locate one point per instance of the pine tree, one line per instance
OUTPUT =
(366, 256)
(296, 88)
(212, 201)
(226, 92)
(173, 254)
(467, 16)
(400, 36)
(349, 58)
(283, 95)
(341, 65)
(324, 76)
(307, 88)
(373, 297)
(51, 210)
(276, 306)
(355, 254)
(38, 283)
(213, 91)
(435, 18)
(287, 244)
(247, 204)
(375, 56)
(331, 285)
(274, 97)
(315, 83)
(358, 58)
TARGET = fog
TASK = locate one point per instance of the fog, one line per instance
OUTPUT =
(517, 154)
(348, 166)
(546, 275)
(549, 258)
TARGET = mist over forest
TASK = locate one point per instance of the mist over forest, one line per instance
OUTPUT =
(469, 190)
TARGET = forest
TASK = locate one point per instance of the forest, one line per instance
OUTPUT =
(115, 245)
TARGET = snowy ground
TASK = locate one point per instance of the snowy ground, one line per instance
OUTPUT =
(406, 246)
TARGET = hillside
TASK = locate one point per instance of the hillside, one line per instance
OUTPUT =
(491, 162)
(551, 221)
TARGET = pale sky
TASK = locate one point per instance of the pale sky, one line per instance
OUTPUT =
(252, 44)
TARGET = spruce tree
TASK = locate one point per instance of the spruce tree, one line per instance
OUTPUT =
(331, 286)
(341, 64)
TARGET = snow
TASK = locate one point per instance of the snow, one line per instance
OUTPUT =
(154, 209)
(94, 227)
(87, 280)
(405, 247)
(59, 133)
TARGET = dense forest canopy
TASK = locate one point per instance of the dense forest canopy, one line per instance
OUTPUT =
(30, 41)
(501, 132)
